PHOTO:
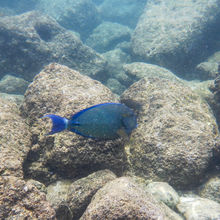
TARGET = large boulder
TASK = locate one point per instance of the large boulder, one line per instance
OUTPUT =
(19, 199)
(30, 41)
(79, 15)
(122, 198)
(177, 34)
(174, 140)
(62, 91)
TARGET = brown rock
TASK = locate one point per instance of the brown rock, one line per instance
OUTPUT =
(22, 200)
(123, 199)
(60, 90)
(174, 140)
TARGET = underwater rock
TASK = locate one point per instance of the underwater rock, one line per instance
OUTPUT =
(115, 86)
(13, 85)
(211, 189)
(18, 99)
(163, 192)
(123, 199)
(139, 70)
(107, 35)
(70, 199)
(124, 12)
(207, 70)
(32, 40)
(177, 34)
(19, 199)
(81, 191)
(115, 60)
(174, 139)
(22, 200)
(79, 15)
(15, 139)
(198, 208)
(215, 104)
(62, 91)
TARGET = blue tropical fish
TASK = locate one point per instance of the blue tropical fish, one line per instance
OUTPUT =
(102, 121)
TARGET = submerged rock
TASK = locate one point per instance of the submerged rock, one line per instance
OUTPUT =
(163, 192)
(81, 191)
(107, 35)
(32, 40)
(13, 85)
(197, 208)
(123, 199)
(124, 12)
(79, 15)
(177, 34)
(66, 154)
(174, 140)
(19, 199)
(139, 70)
(211, 189)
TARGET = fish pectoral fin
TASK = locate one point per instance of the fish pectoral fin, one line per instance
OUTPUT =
(122, 133)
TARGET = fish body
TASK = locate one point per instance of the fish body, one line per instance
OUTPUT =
(102, 121)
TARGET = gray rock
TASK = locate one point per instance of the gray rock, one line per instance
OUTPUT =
(115, 86)
(207, 70)
(211, 189)
(176, 34)
(123, 199)
(174, 139)
(164, 192)
(30, 41)
(125, 12)
(66, 154)
(18, 99)
(79, 15)
(139, 70)
(13, 85)
(107, 35)
(198, 208)
(116, 58)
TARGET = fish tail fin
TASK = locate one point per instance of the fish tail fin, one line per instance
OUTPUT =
(59, 123)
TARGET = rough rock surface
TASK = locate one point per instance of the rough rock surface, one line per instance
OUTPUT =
(18, 198)
(30, 41)
(81, 191)
(107, 35)
(70, 199)
(177, 34)
(123, 199)
(79, 15)
(198, 208)
(164, 192)
(174, 139)
(22, 200)
(15, 140)
(124, 12)
(66, 154)
(13, 85)
(211, 189)
(138, 70)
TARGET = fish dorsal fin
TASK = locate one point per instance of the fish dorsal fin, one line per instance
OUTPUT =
(76, 115)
